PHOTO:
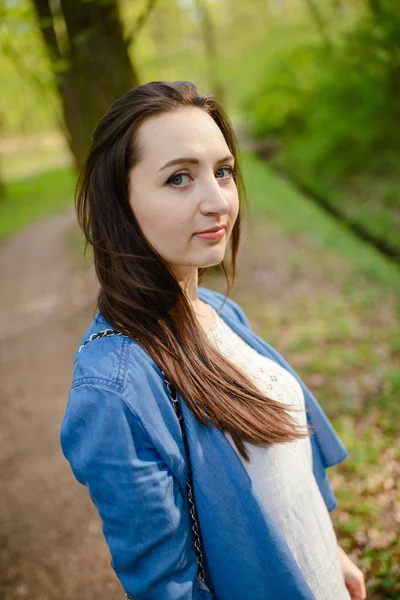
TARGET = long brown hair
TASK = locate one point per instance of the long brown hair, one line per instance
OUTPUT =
(139, 294)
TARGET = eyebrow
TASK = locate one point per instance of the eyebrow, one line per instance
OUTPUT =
(193, 161)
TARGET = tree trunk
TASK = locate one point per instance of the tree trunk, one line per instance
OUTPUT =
(93, 70)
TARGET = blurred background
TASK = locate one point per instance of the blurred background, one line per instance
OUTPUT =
(313, 89)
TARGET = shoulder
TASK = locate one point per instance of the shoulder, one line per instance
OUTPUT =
(113, 360)
(115, 371)
(118, 390)
(105, 360)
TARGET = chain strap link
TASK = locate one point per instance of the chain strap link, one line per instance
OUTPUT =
(100, 334)
(192, 506)
(189, 481)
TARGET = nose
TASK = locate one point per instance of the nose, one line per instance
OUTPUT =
(215, 199)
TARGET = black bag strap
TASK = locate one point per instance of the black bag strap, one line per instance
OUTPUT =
(173, 394)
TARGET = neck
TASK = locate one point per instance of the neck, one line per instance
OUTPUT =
(189, 282)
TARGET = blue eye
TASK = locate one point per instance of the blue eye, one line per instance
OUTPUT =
(176, 179)
(230, 170)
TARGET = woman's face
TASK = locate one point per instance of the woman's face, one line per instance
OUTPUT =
(174, 202)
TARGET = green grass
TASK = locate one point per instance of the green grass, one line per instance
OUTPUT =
(35, 196)
(366, 199)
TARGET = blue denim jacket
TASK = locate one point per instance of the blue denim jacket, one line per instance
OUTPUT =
(123, 441)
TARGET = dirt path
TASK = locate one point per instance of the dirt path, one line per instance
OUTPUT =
(51, 547)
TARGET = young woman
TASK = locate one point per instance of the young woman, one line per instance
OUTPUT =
(172, 392)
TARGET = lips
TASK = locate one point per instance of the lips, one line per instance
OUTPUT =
(213, 229)
(216, 233)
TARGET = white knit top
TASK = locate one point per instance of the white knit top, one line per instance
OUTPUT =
(282, 474)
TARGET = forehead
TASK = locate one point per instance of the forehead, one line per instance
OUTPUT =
(183, 132)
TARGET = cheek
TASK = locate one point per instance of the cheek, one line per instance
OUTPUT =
(165, 225)
(234, 207)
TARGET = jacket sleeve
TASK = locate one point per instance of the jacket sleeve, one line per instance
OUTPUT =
(145, 523)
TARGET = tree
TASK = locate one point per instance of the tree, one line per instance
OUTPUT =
(90, 62)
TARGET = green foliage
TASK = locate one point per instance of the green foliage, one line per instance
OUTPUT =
(354, 107)
(28, 102)
(285, 92)
(335, 112)
(336, 108)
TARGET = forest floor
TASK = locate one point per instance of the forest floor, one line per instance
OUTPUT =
(51, 545)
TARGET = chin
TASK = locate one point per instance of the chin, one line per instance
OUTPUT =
(212, 261)
(201, 260)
